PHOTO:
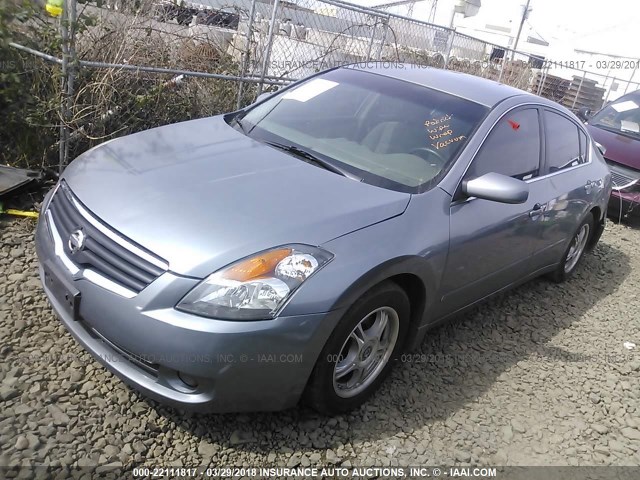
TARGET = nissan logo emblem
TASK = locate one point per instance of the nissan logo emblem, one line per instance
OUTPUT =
(76, 241)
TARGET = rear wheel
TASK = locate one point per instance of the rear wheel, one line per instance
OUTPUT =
(575, 251)
(359, 352)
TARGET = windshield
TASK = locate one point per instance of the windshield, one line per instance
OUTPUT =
(385, 131)
(622, 116)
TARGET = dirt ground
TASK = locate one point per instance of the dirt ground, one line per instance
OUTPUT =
(540, 376)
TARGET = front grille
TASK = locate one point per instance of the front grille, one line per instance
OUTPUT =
(622, 176)
(100, 252)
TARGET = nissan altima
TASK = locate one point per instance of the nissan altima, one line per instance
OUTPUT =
(292, 250)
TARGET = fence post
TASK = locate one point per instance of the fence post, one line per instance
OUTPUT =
(267, 52)
(384, 36)
(606, 98)
(575, 99)
(71, 70)
(604, 84)
(449, 47)
(633, 73)
(64, 133)
(504, 60)
(543, 79)
(246, 54)
(373, 36)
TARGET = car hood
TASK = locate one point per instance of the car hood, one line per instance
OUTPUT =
(201, 195)
(620, 149)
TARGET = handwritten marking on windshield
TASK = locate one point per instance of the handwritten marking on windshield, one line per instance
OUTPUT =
(438, 121)
(446, 143)
(446, 133)
(440, 132)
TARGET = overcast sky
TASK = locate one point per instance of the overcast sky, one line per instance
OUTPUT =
(610, 26)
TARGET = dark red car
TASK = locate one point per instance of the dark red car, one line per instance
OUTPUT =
(617, 129)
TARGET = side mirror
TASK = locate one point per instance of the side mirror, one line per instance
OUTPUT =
(584, 114)
(497, 188)
(601, 148)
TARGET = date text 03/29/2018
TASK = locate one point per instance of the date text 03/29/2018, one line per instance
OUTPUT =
(597, 64)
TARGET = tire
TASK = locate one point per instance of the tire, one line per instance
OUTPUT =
(572, 258)
(330, 391)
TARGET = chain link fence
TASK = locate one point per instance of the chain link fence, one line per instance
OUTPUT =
(128, 66)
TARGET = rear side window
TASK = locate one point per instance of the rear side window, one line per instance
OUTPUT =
(563, 142)
(512, 148)
(583, 145)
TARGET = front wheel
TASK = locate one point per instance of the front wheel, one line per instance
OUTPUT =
(359, 353)
(575, 251)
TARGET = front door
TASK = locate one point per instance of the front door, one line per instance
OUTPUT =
(491, 243)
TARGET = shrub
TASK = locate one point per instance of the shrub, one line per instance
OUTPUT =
(106, 102)
(29, 86)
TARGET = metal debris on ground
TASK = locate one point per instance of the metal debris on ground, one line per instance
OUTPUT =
(17, 213)
(12, 179)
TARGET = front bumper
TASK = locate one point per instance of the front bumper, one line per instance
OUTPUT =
(184, 360)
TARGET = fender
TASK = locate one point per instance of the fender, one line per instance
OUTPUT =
(415, 275)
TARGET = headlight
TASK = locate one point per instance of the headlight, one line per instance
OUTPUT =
(256, 287)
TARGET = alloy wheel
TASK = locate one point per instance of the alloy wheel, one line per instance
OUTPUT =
(365, 352)
(576, 249)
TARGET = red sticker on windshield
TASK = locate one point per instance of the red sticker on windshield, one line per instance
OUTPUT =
(514, 125)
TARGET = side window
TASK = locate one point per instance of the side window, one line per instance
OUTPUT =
(584, 146)
(563, 142)
(512, 148)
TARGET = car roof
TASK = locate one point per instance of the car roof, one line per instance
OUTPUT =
(635, 95)
(477, 89)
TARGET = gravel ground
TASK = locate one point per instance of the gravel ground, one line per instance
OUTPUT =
(536, 377)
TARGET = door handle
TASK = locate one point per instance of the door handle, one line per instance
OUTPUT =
(538, 209)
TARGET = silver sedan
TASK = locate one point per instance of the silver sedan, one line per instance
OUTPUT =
(293, 249)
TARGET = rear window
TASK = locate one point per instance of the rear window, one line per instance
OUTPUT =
(563, 142)
(584, 145)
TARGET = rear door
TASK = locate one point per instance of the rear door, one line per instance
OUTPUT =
(568, 189)
(491, 243)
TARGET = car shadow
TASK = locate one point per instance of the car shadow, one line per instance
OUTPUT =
(455, 365)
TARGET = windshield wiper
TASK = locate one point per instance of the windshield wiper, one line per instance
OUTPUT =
(310, 157)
